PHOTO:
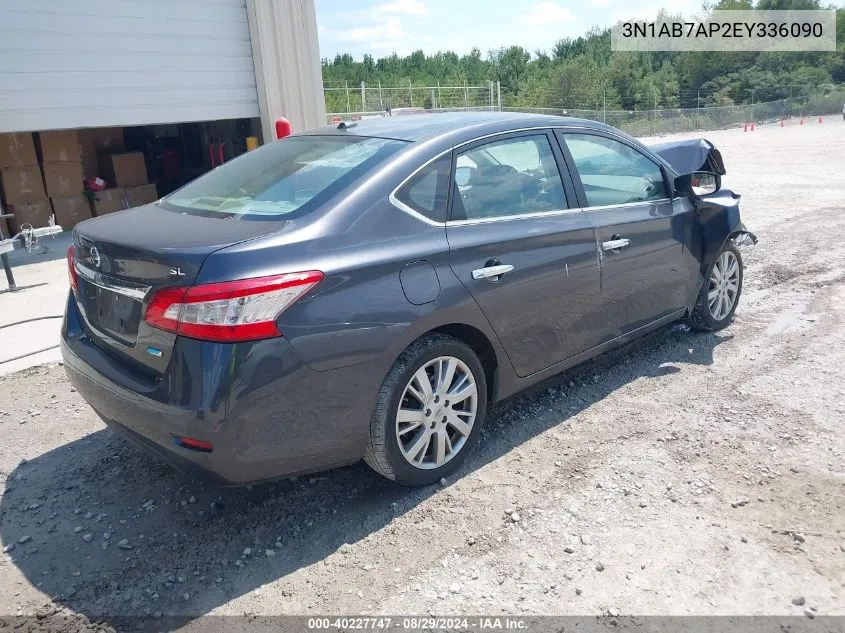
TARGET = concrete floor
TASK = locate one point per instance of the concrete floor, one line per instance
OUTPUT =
(41, 278)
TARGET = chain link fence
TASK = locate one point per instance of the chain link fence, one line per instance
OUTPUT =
(672, 121)
(372, 100)
(366, 101)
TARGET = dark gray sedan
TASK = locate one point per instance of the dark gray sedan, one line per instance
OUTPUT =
(366, 291)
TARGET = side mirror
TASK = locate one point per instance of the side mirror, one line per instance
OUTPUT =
(463, 175)
(700, 183)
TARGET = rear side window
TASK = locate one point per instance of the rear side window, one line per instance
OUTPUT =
(515, 176)
(283, 179)
(426, 191)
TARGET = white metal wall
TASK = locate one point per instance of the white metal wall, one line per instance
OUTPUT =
(287, 63)
(92, 63)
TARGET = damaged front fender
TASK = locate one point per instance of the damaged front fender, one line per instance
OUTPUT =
(719, 221)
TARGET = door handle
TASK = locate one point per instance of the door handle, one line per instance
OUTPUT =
(491, 272)
(615, 244)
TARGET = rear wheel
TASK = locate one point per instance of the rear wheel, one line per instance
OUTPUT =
(428, 413)
(719, 294)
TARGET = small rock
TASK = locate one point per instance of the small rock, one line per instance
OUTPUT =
(26, 538)
(186, 596)
(599, 567)
(515, 517)
(8, 548)
(77, 529)
(569, 550)
(809, 613)
(455, 588)
(799, 537)
(799, 601)
(471, 540)
(578, 591)
(443, 481)
(743, 539)
(247, 551)
(193, 499)
(842, 546)
(124, 544)
(585, 539)
(643, 504)
(268, 553)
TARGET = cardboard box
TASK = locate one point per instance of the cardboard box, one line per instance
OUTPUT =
(34, 212)
(145, 194)
(71, 211)
(21, 184)
(61, 146)
(63, 180)
(123, 170)
(17, 150)
(109, 201)
(96, 140)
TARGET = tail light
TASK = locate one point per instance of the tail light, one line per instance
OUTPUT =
(71, 269)
(231, 311)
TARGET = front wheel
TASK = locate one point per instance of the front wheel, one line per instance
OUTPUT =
(719, 294)
(428, 412)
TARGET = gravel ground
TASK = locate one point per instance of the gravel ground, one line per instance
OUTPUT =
(684, 474)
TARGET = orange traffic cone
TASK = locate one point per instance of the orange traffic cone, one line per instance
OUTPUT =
(745, 127)
(802, 121)
(820, 120)
(752, 126)
(781, 122)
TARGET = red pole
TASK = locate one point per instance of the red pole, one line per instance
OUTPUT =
(283, 128)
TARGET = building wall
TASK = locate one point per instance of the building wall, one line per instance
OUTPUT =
(286, 56)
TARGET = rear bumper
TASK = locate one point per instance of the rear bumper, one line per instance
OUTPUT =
(266, 413)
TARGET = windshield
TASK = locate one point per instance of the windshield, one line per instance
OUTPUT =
(283, 179)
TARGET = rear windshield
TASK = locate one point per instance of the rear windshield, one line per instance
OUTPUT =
(282, 180)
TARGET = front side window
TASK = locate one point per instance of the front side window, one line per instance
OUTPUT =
(283, 179)
(614, 173)
(514, 176)
(426, 191)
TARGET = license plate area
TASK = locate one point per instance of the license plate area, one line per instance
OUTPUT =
(112, 307)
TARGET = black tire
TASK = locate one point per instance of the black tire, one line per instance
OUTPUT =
(701, 319)
(383, 453)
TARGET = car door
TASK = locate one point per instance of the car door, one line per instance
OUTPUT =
(523, 248)
(639, 229)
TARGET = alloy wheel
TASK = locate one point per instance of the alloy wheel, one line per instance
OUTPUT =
(436, 413)
(724, 286)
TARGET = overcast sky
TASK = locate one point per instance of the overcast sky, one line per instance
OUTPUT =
(380, 27)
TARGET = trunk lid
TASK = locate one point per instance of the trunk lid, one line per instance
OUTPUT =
(123, 258)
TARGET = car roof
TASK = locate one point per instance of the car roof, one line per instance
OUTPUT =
(418, 127)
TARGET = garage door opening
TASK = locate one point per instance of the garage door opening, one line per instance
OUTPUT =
(68, 176)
